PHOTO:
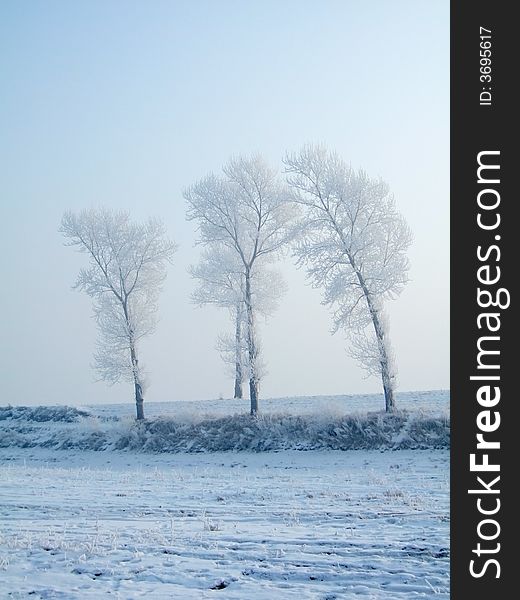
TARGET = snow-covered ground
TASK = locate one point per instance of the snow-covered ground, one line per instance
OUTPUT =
(431, 402)
(300, 525)
(237, 525)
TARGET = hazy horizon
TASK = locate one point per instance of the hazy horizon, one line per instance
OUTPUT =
(123, 106)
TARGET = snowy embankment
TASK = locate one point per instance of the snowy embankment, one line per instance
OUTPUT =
(317, 425)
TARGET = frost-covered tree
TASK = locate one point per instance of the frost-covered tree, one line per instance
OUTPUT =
(221, 282)
(127, 266)
(353, 243)
(246, 211)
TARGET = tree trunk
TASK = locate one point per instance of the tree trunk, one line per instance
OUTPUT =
(139, 399)
(238, 353)
(389, 391)
(383, 354)
(251, 347)
(238, 384)
(383, 359)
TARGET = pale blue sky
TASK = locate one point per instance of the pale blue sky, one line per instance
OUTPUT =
(123, 104)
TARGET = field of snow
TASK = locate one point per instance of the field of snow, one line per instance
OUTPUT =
(431, 402)
(319, 524)
(300, 525)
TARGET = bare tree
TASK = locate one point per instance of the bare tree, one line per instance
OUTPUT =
(221, 282)
(247, 212)
(127, 266)
(353, 243)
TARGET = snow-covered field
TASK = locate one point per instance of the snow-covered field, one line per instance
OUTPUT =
(431, 402)
(240, 525)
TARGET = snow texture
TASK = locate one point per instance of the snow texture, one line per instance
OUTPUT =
(307, 525)
(77, 524)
